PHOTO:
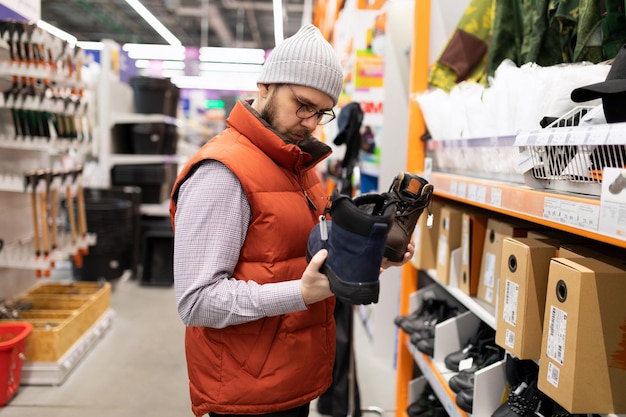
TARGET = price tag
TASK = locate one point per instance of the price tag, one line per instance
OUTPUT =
(481, 194)
(542, 138)
(559, 137)
(454, 187)
(577, 136)
(588, 216)
(597, 137)
(471, 192)
(551, 209)
(462, 190)
(496, 197)
(521, 139)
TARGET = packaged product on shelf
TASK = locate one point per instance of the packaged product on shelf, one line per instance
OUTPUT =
(583, 348)
(449, 240)
(522, 295)
(474, 227)
(426, 239)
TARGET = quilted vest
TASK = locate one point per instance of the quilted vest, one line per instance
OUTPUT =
(275, 363)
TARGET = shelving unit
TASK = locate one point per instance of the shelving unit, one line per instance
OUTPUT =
(516, 193)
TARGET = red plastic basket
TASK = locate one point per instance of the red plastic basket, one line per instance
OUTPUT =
(12, 342)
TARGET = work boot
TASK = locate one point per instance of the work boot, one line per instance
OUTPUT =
(412, 195)
(355, 239)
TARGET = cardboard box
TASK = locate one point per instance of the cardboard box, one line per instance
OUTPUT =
(497, 230)
(473, 229)
(583, 348)
(612, 256)
(522, 295)
(449, 240)
(426, 238)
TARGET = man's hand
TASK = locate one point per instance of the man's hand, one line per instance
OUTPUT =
(314, 284)
(410, 251)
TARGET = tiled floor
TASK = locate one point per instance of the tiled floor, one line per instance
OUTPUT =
(138, 367)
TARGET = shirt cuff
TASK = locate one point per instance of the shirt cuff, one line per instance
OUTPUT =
(281, 298)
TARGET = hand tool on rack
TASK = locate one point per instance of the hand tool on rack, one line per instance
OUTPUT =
(68, 181)
(82, 215)
(55, 183)
(44, 179)
(31, 182)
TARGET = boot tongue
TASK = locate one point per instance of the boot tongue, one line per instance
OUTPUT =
(412, 188)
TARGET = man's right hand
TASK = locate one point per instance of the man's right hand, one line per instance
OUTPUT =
(314, 284)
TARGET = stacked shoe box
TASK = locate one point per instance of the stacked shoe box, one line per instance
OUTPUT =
(583, 350)
(449, 241)
(497, 230)
(474, 228)
(522, 294)
(426, 237)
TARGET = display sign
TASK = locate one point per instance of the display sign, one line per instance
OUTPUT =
(20, 9)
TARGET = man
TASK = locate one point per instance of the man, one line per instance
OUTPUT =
(260, 336)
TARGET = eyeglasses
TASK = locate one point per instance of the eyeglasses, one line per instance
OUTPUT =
(306, 111)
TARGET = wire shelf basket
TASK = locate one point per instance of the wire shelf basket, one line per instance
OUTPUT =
(567, 158)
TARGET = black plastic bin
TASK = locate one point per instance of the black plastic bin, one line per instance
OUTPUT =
(157, 252)
(112, 221)
(154, 138)
(156, 180)
(154, 95)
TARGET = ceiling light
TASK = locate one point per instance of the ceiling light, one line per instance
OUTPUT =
(154, 22)
(230, 67)
(234, 55)
(165, 65)
(53, 30)
(227, 81)
(155, 52)
(91, 46)
(278, 22)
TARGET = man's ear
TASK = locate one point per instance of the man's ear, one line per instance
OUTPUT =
(264, 90)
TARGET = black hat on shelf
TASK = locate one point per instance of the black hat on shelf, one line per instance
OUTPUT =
(612, 90)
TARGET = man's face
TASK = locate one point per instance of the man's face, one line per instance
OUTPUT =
(281, 107)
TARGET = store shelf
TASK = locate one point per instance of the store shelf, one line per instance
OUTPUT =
(438, 381)
(122, 159)
(156, 210)
(484, 311)
(127, 118)
(54, 373)
(568, 212)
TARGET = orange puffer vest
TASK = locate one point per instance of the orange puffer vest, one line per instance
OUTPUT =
(275, 363)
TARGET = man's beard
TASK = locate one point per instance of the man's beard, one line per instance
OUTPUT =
(269, 115)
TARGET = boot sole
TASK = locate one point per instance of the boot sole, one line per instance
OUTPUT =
(350, 292)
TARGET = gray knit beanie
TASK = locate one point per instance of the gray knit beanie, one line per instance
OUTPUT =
(307, 59)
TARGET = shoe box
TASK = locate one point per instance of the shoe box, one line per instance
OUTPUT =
(582, 365)
(426, 239)
(450, 222)
(522, 295)
(497, 230)
(473, 229)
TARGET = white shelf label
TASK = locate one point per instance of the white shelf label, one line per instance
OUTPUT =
(496, 197)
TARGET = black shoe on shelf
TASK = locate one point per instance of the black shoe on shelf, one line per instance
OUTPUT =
(523, 401)
(424, 403)
(484, 333)
(465, 400)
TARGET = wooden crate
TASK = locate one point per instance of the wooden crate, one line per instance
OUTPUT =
(61, 314)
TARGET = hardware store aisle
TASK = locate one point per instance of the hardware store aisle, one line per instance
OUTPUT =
(138, 367)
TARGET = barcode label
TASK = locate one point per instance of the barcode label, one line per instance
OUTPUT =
(553, 374)
(442, 257)
(511, 295)
(556, 335)
(489, 277)
(509, 338)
